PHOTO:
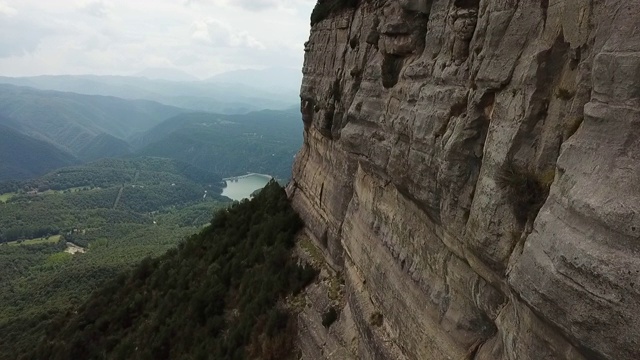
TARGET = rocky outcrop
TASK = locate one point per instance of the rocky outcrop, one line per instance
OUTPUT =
(471, 172)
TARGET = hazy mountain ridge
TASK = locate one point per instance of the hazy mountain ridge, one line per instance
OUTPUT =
(91, 127)
(23, 157)
(165, 74)
(218, 94)
(272, 79)
(71, 121)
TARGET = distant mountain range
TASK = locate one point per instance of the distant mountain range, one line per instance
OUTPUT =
(271, 80)
(166, 74)
(230, 93)
(74, 122)
(42, 130)
(275, 80)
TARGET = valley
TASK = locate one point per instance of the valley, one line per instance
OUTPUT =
(41, 131)
(456, 180)
(65, 233)
(91, 185)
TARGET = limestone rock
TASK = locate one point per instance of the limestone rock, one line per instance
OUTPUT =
(424, 122)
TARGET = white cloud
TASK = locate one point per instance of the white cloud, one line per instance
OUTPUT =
(299, 7)
(258, 5)
(99, 9)
(219, 34)
(21, 36)
(6, 10)
(202, 37)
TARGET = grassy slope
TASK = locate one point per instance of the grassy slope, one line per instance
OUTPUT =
(6, 196)
(43, 240)
(198, 96)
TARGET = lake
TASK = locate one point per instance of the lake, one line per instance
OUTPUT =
(241, 187)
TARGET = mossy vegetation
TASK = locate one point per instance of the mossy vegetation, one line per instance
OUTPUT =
(310, 248)
(324, 8)
(335, 286)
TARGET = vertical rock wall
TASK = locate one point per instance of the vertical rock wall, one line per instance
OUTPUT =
(471, 173)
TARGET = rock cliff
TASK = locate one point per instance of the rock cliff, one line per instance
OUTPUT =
(470, 179)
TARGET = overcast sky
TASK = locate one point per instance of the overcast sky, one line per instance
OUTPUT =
(123, 37)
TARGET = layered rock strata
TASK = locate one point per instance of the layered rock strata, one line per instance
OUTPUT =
(471, 174)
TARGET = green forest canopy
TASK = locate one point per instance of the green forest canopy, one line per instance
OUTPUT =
(218, 295)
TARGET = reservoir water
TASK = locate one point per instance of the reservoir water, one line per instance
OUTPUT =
(241, 187)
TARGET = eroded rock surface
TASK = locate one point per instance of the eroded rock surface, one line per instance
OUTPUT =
(471, 169)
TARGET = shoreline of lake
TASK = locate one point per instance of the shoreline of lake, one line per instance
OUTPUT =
(241, 187)
(247, 175)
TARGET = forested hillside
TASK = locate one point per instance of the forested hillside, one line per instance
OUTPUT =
(72, 121)
(219, 295)
(82, 128)
(264, 141)
(114, 212)
(104, 146)
(106, 192)
(22, 157)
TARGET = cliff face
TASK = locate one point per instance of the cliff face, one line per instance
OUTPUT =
(471, 174)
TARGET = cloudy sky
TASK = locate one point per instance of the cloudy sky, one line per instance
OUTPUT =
(123, 37)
